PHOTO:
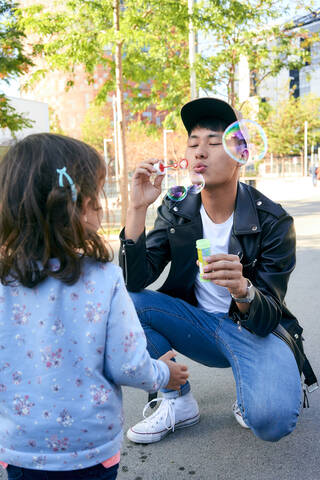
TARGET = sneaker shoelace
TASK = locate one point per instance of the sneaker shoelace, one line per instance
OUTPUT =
(165, 410)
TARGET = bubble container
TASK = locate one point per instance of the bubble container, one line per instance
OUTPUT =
(204, 250)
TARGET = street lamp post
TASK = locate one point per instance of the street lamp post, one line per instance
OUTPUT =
(305, 148)
(105, 152)
(115, 136)
(165, 152)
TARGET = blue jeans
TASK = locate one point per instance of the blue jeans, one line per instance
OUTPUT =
(98, 472)
(266, 374)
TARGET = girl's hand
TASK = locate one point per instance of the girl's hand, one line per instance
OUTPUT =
(143, 191)
(178, 373)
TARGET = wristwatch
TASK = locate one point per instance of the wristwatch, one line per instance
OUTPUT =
(250, 294)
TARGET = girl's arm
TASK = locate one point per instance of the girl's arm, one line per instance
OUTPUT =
(127, 361)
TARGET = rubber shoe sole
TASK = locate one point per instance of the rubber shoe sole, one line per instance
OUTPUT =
(237, 414)
(157, 436)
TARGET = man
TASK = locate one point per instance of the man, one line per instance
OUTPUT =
(227, 321)
(314, 172)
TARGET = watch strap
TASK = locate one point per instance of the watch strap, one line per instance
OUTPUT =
(249, 297)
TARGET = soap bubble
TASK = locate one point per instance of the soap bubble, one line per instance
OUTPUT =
(197, 183)
(184, 183)
(245, 141)
(177, 193)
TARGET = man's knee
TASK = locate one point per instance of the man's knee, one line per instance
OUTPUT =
(270, 425)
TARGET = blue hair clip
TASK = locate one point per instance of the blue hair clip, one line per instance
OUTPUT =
(63, 173)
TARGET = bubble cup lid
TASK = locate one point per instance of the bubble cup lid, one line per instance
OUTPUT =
(203, 243)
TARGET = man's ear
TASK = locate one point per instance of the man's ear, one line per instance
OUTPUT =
(245, 155)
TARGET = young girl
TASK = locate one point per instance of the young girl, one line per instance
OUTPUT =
(69, 334)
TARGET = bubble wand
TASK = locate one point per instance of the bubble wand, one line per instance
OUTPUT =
(160, 166)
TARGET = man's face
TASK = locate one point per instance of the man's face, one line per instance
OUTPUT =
(206, 155)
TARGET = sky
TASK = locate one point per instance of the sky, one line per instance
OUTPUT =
(11, 90)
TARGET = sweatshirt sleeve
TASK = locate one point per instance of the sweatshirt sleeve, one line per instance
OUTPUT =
(127, 361)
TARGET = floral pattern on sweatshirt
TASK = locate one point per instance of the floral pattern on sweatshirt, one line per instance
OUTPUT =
(64, 353)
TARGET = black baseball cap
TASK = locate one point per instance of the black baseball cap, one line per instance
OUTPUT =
(207, 107)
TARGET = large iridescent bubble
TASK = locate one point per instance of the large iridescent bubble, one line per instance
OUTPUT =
(245, 141)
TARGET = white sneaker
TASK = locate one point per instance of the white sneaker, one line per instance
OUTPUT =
(238, 415)
(172, 413)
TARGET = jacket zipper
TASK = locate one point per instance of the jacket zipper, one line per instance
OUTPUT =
(123, 252)
(277, 334)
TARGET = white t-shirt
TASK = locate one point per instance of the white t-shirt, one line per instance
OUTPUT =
(211, 297)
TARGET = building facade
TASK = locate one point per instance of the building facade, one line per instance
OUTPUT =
(300, 82)
(35, 111)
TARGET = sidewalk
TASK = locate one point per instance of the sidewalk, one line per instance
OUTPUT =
(289, 188)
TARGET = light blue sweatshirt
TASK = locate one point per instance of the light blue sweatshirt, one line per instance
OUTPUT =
(64, 352)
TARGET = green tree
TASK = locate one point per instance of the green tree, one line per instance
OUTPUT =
(153, 37)
(97, 125)
(250, 29)
(143, 47)
(13, 63)
(154, 42)
(284, 124)
(55, 125)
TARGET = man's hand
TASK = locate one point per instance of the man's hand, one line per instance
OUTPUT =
(143, 191)
(225, 270)
(178, 373)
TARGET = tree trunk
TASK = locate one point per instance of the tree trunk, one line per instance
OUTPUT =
(192, 53)
(232, 96)
(120, 115)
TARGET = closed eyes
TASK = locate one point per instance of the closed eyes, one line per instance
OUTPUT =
(211, 144)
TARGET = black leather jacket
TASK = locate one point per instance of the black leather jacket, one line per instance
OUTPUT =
(263, 236)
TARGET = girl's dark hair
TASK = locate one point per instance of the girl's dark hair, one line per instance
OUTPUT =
(211, 123)
(39, 219)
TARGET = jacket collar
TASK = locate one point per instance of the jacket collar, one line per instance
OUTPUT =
(187, 208)
(245, 221)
